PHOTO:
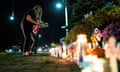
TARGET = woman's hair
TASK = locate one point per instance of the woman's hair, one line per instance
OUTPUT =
(38, 11)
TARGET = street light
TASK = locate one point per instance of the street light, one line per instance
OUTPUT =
(58, 5)
(12, 14)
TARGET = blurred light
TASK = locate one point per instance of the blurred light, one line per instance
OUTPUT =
(12, 18)
(39, 50)
(63, 27)
(58, 5)
(39, 35)
(9, 50)
(82, 38)
(46, 45)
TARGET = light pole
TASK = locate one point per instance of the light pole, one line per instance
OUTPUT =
(58, 5)
(66, 17)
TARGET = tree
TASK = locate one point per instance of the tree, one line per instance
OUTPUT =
(105, 16)
(82, 7)
(109, 14)
(77, 29)
(116, 2)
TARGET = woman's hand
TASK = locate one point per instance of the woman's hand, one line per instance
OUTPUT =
(36, 29)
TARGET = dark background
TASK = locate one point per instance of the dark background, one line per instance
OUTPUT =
(10, 32)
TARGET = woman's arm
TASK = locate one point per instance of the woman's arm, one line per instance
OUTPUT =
(29, 18)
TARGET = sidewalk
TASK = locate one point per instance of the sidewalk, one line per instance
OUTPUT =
(60, 65)
(18, 63)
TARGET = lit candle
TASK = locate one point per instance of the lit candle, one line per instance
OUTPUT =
(81, 48)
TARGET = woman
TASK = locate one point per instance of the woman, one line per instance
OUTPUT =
(31, 19)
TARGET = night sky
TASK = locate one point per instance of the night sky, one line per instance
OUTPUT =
(55, 18)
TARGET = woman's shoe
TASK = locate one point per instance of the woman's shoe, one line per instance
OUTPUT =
(30, 53)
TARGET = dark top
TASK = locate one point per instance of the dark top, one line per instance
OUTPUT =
(26, 24)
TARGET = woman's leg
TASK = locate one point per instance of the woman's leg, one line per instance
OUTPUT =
(26, 44)
(27, 40)
(34, 44)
